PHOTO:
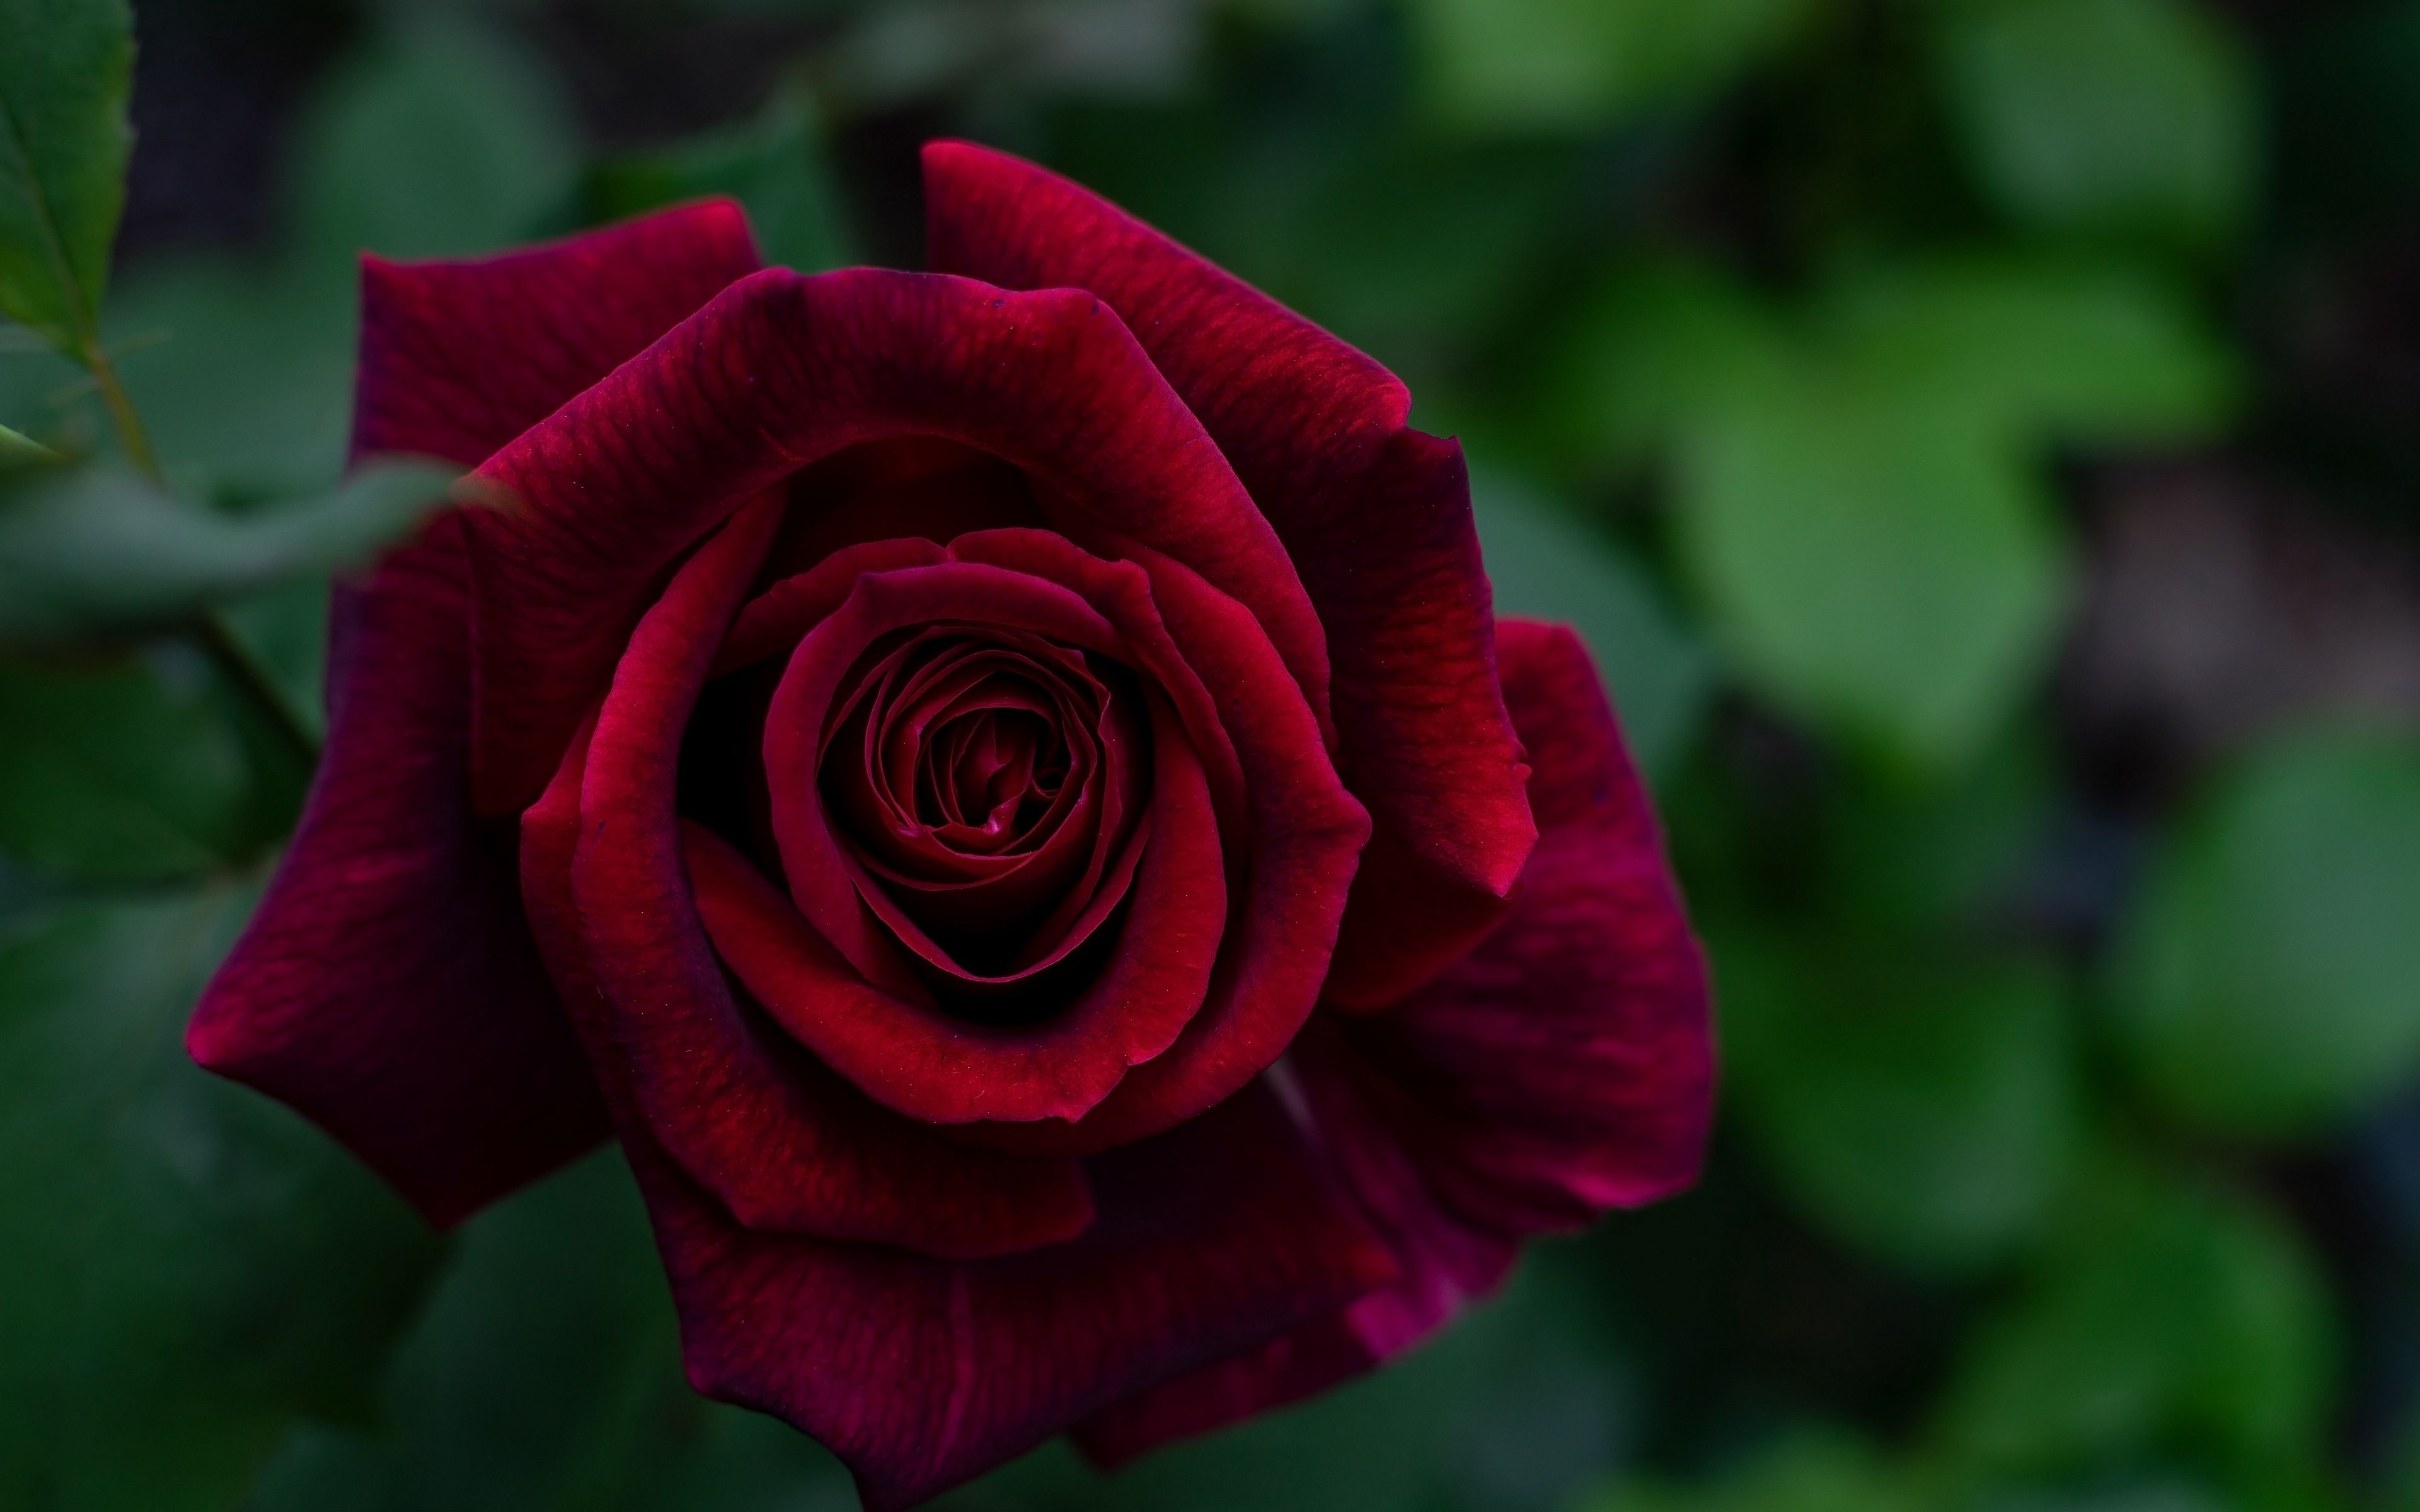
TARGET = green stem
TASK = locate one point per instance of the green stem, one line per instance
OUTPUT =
(244, 667)
(235, 659)
(130, 434)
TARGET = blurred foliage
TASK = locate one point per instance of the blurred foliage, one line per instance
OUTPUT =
(63, 153)
(2292, 883)
(2070, 1122)
(2105, 117)
(184, 1267)
(99, 552)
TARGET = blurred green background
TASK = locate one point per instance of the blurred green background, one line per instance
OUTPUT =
(1979, 438)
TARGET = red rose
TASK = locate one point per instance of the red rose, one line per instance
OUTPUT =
(1003, 791)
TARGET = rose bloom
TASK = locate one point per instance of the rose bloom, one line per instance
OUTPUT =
(1003, 789)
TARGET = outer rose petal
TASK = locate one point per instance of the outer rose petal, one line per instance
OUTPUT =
(921, 1374)
(1564, 1068)
(458, 358)
(387, 986)
(780, 1140)
(1375, 517)
(780, 371)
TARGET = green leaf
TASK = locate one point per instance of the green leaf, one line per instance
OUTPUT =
(64, 142)
(2133, 116)
(1858, 490)
(2169, 1312)
(1874, 557)
(545, 1372)
(1922, 1106)
(2164, 1493)
(442, 140)
(1940, 855)
(132, 769)
(2265, 982)
(99, 551)
(1808, 1471)
(18, 450)
(244, 375)
(1547, 565)
(774, 166)
(184, 1265)
(1654, 347)
(1553, 65)
(2080, 354)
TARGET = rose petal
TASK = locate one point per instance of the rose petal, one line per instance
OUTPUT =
(847, 908)
(1293, 839)
(1564, 1068)
(387, 986)
(915, 486)
(785, 1144)
(1050, 890)
(780, 371)
(919, 1375)
(940, 1069)
(458, 358)
(1442, 1264)
(1375, 517)
(774, 621)
(451, 1071)
(1568, 1065)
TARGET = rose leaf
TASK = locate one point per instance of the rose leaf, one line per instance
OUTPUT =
(2166, 1312)
(2267, 982)
(544, 1371)
(97, 551)
(133, 769)
(1922, 1108)
(440, 140)
(64, 142)
(2129, 116)
(1524, 65)
(184, 1265)
(1875, 555)
(20, 450)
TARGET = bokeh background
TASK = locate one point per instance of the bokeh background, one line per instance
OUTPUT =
(1980, 439)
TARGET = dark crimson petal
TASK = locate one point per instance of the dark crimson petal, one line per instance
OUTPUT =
(1442, 1264)
(785, 1144)
(919, 1375)
(1568, 1065)
(1376, 518)
(1121, 592)
(829, 887)
(914, 488)
(387, 986)
(779, 371)
(1564, 1068)
(450, 1070)
(929, 1066)
(777, 619)
(928, 885)
(1292, 843)
(458, 358)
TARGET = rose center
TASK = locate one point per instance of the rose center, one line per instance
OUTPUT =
(993, 771)
(990, 784)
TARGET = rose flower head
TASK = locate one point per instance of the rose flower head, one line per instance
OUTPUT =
(1002, 788)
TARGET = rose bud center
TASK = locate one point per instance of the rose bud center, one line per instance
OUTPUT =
(988, 785)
